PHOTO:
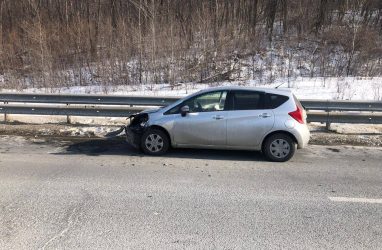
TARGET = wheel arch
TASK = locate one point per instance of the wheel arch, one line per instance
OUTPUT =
(163, 130)
(279, 132)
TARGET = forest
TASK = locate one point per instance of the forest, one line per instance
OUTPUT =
(59, 43)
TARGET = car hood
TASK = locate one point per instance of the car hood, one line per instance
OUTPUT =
(150, 111)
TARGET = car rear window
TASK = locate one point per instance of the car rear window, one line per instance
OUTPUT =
(275, 101)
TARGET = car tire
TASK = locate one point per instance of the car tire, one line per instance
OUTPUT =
(279, 147)
(155, 142)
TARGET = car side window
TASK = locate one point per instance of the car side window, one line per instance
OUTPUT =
(247, 100)
(208, 102)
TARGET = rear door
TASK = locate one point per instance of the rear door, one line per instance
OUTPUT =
(247, 119)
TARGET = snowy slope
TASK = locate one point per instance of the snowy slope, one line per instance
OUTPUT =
(347, 88)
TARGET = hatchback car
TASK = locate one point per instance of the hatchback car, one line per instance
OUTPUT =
(236, 118)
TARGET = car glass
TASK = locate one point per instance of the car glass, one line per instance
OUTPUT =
(275, 101)
(247, 100)
(209, 102)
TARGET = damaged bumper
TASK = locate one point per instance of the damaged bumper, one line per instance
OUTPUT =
(135, 129)
(132, 137)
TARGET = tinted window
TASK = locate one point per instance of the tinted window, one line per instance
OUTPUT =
(208, 102)
(275, 101)
(247, 100)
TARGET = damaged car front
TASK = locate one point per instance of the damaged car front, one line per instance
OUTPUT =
(136, 128)
(138, 125)
(141, 122)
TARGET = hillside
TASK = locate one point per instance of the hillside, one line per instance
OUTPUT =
(56, 44)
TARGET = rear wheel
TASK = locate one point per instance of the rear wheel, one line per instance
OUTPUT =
(279, 147)
(155, 142)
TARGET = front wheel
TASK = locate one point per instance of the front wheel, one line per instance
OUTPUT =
(155, 142)
(279, 148)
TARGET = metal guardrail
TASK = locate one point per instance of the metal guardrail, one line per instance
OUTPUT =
(88, 99)
(329, 105)
(100, 105)
(344, 117)
(69, 110)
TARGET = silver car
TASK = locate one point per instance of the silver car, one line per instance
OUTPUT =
(269, 120)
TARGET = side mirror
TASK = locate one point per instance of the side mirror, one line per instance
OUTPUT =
(184, 110)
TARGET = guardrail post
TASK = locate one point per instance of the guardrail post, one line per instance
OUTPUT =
(327, 126)
(68, 118)
(5, 115)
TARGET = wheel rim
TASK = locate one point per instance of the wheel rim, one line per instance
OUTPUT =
(154, 143)
(280, 148)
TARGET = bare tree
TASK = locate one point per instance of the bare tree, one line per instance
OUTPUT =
(111, 42)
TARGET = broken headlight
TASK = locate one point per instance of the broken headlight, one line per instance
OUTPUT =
(139, 120)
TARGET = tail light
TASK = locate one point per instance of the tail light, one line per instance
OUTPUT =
(298, 114)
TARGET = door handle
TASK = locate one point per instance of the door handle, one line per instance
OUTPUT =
(218, 117)
(264, 115)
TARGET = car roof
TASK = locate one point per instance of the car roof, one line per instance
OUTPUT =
(282, 91)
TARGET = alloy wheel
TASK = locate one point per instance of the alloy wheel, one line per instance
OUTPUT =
(154, 143)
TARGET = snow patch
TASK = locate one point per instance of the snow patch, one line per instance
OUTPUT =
(331, 88)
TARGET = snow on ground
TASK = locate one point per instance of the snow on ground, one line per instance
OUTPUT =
(80, 125)
(349, 88)
(75, 120)
(333, 88)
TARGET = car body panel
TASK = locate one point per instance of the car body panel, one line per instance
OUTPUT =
(246, 128)
(200, 129)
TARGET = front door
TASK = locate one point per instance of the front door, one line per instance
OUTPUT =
(205, 124)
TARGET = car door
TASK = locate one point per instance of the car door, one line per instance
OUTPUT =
(248, 120)
(205, 124)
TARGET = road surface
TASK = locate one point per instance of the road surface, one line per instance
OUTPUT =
(98, 194)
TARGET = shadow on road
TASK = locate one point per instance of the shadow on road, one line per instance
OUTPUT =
(117, 146)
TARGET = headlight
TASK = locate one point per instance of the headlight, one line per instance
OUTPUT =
(140, 120)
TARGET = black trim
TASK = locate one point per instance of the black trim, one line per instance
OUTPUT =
(229, 101)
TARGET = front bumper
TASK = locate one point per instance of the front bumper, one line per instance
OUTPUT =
(132, 137)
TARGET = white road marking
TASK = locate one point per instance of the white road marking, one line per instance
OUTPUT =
(358, 200)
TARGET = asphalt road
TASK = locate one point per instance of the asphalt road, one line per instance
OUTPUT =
(102, 194)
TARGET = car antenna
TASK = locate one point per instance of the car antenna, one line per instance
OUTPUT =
(279, 85)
